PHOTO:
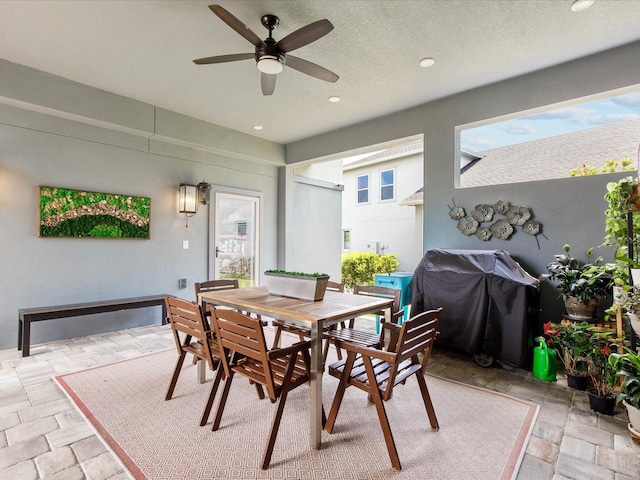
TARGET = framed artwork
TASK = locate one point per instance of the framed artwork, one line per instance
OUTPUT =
(77, 213)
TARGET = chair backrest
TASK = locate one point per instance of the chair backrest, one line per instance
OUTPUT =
(211, 285)
(187, 317)
(384, 292)
(335, 286)
(417, 335)
(243, 335)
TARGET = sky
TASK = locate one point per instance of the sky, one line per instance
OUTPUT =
(551, 123)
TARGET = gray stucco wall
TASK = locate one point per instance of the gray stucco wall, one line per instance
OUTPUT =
(571, 210)
(109, 144)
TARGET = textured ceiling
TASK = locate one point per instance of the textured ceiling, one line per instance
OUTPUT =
(144, 50)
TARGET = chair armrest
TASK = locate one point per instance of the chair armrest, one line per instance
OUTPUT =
(283, 352)
(369, 352)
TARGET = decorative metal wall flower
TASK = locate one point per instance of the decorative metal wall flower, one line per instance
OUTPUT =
(467, 225)
(456, 213)
(518, 215)
(484, 234)
(501, 207)
(482, 213)
(501, 228)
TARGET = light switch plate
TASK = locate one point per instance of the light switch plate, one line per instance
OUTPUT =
(185, 244)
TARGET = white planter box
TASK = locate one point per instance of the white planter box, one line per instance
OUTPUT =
(301, 287)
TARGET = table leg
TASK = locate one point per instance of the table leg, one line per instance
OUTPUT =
(316, 386)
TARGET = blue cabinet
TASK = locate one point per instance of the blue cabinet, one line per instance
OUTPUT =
(399, 281)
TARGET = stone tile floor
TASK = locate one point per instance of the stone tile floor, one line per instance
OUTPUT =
(42, 436)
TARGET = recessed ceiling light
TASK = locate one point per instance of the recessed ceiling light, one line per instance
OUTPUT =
(257, 127)
(334, 99)
(427, 62)
(580, 5)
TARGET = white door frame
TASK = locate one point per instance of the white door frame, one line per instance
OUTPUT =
(213, 234)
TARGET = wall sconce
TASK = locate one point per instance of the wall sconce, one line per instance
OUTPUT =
(187, 201)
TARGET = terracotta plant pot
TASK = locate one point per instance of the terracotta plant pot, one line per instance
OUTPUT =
(581, 311)
(604, 405)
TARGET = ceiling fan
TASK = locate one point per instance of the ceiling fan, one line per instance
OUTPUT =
(272, 56)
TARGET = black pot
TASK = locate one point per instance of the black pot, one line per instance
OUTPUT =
(600, 404)
(579, 382)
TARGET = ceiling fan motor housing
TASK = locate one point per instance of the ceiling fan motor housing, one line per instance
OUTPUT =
(270, 51)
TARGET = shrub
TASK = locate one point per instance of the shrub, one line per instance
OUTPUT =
(358, 268)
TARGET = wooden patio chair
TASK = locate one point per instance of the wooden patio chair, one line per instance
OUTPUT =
(377, 372)
(365, 338)
(302, 332)
(241, 339)
(213, 285)
(188, 319)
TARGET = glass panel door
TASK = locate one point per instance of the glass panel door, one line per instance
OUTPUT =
(236, 237)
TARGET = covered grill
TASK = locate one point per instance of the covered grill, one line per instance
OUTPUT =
(490, 303)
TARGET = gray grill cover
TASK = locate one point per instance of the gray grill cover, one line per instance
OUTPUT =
(490, 304)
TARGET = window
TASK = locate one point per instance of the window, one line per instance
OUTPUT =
(387, 185)
(346, 240)
(601, 135)
(363, 188)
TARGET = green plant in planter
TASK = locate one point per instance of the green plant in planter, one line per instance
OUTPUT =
(581, 280)
(571, 343)
(296, 274)
(601, 372)
(621, 198)
(627, 366)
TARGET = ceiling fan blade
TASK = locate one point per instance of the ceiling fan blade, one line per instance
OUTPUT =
(305, 35)
(268, 83)
(312, 69)
(224, 58)
(237, 25)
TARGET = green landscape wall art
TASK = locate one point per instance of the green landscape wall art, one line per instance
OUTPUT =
(76, 213)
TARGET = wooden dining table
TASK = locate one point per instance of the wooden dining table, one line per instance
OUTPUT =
(334, 308)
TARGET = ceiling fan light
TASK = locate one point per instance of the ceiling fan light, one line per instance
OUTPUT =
(580, 5)
(270, 65)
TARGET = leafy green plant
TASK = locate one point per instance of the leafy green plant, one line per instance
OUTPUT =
(571, 343)
(296, 274)
(359, 268)
(627, 366)
(601, 372)
(620, 199)
(610, 166)
(581, 280)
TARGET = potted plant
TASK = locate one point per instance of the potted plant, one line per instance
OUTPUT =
(627, 366)
(571, 342)
(304, 286)
(601, 372)
(581, 284)
(621, 197)
(631, 306)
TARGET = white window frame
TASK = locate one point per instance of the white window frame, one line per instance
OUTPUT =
(346, 245)
(368, 189)
(392, 185)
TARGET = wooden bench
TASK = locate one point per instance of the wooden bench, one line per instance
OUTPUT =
(37, 314)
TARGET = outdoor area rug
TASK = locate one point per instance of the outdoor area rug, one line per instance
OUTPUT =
(483, 435)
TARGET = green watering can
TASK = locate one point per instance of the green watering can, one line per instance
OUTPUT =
(544, 361)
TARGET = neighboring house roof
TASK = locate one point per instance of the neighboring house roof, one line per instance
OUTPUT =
(546, 158)
(414, 199)
(388, 154)
(554, 157)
